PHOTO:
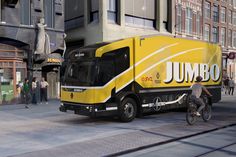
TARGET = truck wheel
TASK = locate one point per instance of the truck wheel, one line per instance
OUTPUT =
(128, 110)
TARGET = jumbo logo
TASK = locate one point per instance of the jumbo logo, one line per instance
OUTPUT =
(181, 72)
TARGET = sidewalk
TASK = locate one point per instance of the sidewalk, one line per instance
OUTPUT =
(22, 106)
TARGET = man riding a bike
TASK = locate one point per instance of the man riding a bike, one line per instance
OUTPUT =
(197, 88)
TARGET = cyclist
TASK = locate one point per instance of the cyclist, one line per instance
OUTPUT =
(197, 88)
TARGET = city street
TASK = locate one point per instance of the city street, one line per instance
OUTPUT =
(44, 131)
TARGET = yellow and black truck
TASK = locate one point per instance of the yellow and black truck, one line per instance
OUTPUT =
(128, 77)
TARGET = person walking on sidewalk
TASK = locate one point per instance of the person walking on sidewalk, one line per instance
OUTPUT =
(43, 90)
(226, 85)
(231, 86)
(26, 93)
(34, 90)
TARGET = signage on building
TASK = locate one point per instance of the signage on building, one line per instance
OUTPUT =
(232, 55)
(53, 60)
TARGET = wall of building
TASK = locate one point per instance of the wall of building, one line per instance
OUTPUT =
(18, 28)
(226, 26)
(188, 18)
(114, 31)
(105, 30)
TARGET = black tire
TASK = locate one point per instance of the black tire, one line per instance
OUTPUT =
(191, 118)
(206, 113)
(127, 110)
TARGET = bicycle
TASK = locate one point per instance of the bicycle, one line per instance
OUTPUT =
(206, 112)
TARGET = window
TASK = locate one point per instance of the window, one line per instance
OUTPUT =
(230, 16)
(189, 20)
(49, 13)
(216, 13)
(25, 12)
(140, 13)
(121, 59)
(230, 38)
(112, 14)
(93, 10)
(207, 32)
(207, 10)
(215, 34)
(179, 18)
(223, 14)
(74, 16)
(223, 33)
(234, 39)
(198, 23)
(234, 18)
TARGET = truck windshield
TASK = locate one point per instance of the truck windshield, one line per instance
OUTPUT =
(81, 73)
(88, 73)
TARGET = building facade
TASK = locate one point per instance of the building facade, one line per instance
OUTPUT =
(91, 21)
(220, 27)
(20, 32)
(188, 18)
(211, 21)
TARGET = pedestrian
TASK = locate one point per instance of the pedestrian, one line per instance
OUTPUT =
(231, 86)
(34, 90)
(226, 84)
(43, 90)
(26, 93)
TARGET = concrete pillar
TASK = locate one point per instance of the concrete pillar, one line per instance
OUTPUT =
(103, 16)
(86, 14)
(122, 13)
(162, 8)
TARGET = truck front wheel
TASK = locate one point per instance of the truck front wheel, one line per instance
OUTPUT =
(127, 110)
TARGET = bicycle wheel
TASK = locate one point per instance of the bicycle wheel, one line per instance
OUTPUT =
(191, 118)
(206, 113)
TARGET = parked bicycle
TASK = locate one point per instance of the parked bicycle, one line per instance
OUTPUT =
(206, 113)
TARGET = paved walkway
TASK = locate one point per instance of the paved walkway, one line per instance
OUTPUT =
(44, 131)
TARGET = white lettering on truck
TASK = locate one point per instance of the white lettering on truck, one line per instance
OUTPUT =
(181, 72)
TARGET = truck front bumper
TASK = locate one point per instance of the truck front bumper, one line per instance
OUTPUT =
(108, 109)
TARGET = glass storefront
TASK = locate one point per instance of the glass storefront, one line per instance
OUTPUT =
(12, 74)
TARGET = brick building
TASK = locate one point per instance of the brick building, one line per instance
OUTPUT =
(212, 21)
(220, 26)
(188, 18)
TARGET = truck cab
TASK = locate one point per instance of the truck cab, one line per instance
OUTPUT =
(95, 77)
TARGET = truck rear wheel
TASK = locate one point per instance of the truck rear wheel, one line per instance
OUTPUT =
(127, 110)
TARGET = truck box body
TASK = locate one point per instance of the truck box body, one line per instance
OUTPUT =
(145, 69)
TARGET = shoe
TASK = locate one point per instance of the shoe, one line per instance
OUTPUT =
(26, 107)
(198, 114)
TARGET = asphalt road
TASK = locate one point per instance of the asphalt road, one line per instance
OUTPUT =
(44, 131)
